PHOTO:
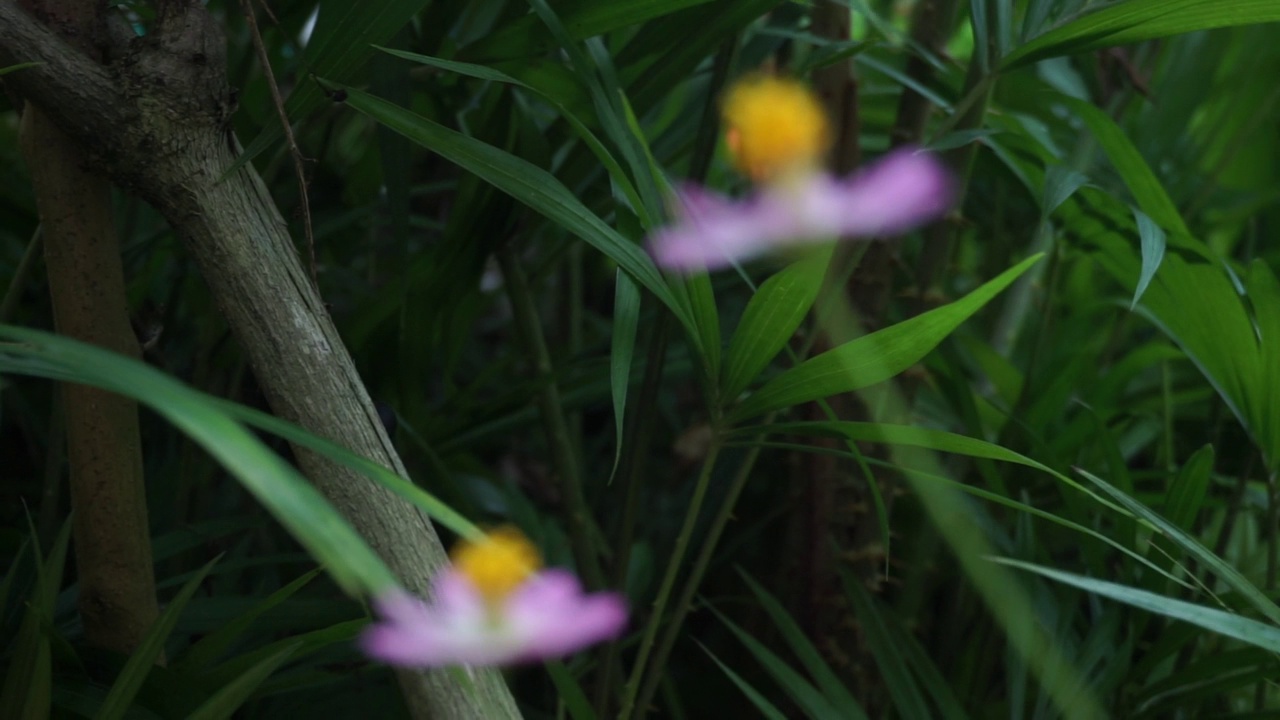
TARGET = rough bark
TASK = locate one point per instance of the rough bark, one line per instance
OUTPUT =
(117, 589)
(117, 599)
(155, 119)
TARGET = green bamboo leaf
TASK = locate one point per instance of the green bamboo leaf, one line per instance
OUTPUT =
(208, 648)
(1231, 625)
(1060, 183)
(135, 671)
(1188, 489)
(942, 441)
(231, 696)
(555, 97)
(525, 182)
(27, 691)
(20, 66)
(924, 666)
(294, 502)
(581, 18)
(907, 695)
(597, 75)
(834, 690)
(1214, 564)
(303, 645)
(805, 695)
(1134, 170)
(570, 692)
(872, 358)
(1264, 299)
(1137, 20)
(767, 709)
(1152, 242)
(626, 318)
(771, 318)
(340, 46)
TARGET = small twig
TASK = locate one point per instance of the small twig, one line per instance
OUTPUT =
(298, 161)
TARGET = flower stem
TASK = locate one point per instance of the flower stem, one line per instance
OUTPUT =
(635, 444)
(668, 583)
(685, 602)
(529, 329)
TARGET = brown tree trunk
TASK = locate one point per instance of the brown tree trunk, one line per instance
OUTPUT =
(156, 120)
(117, 598)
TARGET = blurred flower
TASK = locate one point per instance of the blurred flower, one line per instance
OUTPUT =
(774, 127)
(492, 606)
(776, 134)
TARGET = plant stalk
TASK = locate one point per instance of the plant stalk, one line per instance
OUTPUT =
(629, 708)
(529, 330)
(117, 599)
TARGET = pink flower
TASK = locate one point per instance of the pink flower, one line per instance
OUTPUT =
(490, 612)
(905, 189)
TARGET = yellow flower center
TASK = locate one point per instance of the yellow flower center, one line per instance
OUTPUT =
(498, 564)
(774, 127)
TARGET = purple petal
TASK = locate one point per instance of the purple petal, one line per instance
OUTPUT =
(557, 619)
(714, 231)
(905, 189)
(410, 633)
(547, 616)
(452, 629)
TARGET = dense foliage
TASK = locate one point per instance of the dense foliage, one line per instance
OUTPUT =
(1020, 463)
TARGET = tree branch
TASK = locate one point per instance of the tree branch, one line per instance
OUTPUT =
(155, 119)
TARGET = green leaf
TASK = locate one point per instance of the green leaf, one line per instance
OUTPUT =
(581, 18)
(205, 651)
(525, 182)
(339, 48)
(557, 100)
(1152, 242)
(428, 503)
(814, 704)
(28, 684)
(872, 358)
(20, 66)
(231, 696)
(301, 645)
(767, 709)
(1129, 22)
(293, 501)
(1060, 183)
(570, 692)
(626, 318)
(774, 312)
(1214, 564)
(597, 75)
(135, 671)
(894, 671)
(1188, 489)
(942, 441)
(834, 691)
(1138, 177)
(1231, 625)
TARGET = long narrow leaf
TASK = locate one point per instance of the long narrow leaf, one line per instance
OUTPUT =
(872, 358)
(525, 182)
(1214, 564)
(290, 498)
(771, 318)
(135, 671)
(1231, 625)
(1137, 20)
